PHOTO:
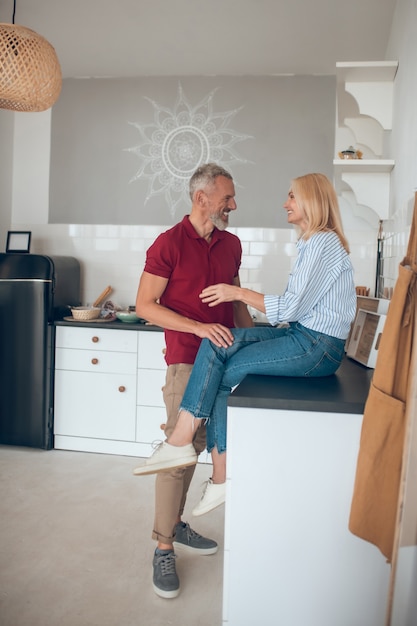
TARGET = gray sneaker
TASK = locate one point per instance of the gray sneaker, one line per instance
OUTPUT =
(166, 583)
(188, 539)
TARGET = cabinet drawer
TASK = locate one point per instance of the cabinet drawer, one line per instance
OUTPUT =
(96, 339)
(151, 346)
(148, 424)
(149, 385)
(95, 361)
(102, 406)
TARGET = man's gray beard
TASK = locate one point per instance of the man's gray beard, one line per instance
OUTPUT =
(218, 222)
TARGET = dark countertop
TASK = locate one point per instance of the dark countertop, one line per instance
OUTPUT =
(115, 324)
(343, 392)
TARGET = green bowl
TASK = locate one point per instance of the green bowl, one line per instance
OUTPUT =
(127, 316)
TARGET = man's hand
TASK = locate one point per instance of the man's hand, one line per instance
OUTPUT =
(221, 336)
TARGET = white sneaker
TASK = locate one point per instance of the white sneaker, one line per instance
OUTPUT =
(213, 496)
(167, 457)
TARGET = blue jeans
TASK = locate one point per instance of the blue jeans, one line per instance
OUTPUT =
(290, 351)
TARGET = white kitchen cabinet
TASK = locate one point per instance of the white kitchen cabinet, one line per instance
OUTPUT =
(95, 405)
(96, 338)
(95, 385)
(108, 395)
(150, 410)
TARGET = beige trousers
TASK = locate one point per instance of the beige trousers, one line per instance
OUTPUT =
(171, 487)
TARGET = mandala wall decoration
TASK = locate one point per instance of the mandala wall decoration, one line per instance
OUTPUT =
(179, 140)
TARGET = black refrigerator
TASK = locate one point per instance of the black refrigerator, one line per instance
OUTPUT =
(35, 290)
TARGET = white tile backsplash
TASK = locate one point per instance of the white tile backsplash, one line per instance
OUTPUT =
(115, 255)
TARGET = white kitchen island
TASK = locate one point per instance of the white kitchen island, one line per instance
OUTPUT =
(290, 559)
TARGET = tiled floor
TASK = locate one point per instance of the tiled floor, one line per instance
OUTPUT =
(76, 547)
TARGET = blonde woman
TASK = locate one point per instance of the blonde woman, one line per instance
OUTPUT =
(310, 322)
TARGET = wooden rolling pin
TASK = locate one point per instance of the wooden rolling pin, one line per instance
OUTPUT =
(103, 296)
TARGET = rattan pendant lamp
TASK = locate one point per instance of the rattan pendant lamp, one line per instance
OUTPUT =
(30, 73)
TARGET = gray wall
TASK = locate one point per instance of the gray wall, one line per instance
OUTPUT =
(122, 150)
(6, 172)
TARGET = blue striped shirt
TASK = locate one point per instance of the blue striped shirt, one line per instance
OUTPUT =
(320, 293)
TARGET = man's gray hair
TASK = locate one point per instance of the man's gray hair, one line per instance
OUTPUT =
(205, 175)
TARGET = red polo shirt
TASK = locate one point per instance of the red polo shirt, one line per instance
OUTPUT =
(190, 263)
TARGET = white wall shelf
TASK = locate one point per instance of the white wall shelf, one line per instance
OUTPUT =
(371, 86)
(364, 165)
(366, 71)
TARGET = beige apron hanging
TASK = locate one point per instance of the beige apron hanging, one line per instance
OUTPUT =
(377, 484)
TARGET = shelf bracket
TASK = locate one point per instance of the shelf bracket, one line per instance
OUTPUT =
(371, 190)
(374, 99)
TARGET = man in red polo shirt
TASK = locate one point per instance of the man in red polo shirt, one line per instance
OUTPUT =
(195, 253)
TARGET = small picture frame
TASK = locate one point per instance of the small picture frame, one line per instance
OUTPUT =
(18, 241)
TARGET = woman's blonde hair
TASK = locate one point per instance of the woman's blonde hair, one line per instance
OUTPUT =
(316, 197)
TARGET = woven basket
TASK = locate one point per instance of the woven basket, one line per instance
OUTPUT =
(30, 74)
(84, 313)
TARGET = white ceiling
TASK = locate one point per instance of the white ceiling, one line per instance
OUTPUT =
(206, 37)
